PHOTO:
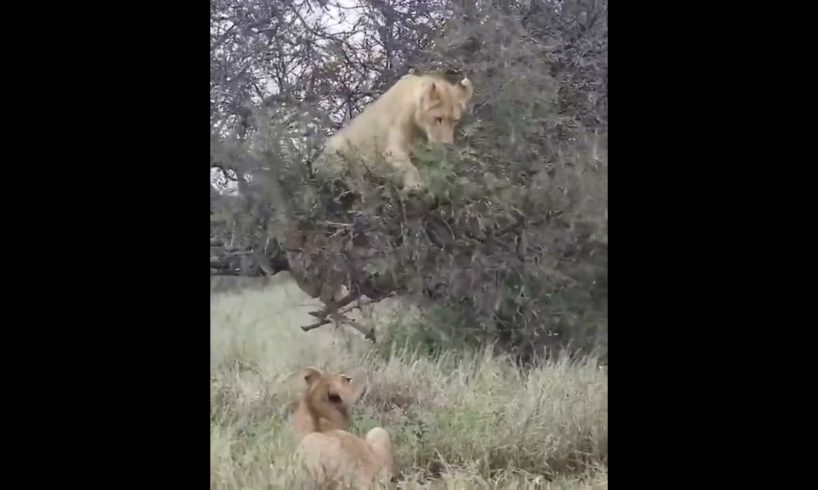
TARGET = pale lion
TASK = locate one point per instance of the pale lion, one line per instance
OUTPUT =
(414, 108)
(338, 459)
(326, 402)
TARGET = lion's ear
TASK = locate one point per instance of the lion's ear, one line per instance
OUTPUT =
(466, 89)
(311, 375)
(432, 91)
(466, 92)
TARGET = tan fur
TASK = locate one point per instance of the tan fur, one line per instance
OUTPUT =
(326, 402)
(338, 459)
(415, 108)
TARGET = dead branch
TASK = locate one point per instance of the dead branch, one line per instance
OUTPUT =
(343, 320)
(333, 307)
(315, 325)
(340, 319)
(333, 312)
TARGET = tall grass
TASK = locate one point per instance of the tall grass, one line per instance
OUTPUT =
(465, 421)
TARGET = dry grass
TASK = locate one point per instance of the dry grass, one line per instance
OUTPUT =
(466, 422)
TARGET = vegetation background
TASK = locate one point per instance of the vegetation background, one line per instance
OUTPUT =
(496, 377)
(458, 420)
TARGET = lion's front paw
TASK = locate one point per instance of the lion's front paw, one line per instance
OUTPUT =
(412, 183)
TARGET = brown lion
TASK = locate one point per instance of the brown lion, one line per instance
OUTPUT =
(333, 457)
(326, 402)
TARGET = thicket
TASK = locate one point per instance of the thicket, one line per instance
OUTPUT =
(511, 245)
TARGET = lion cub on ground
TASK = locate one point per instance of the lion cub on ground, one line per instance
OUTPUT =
(331, 455)
(416, 107)
(326, 402)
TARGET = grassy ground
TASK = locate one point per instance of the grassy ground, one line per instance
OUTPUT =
(468, 423)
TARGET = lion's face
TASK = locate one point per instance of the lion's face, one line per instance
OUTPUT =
(441, 108)
(339, 391)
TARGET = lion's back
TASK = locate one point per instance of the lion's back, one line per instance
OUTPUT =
(330, 456)
(367, 133)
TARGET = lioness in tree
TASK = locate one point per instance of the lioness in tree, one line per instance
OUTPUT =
(415, 108)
